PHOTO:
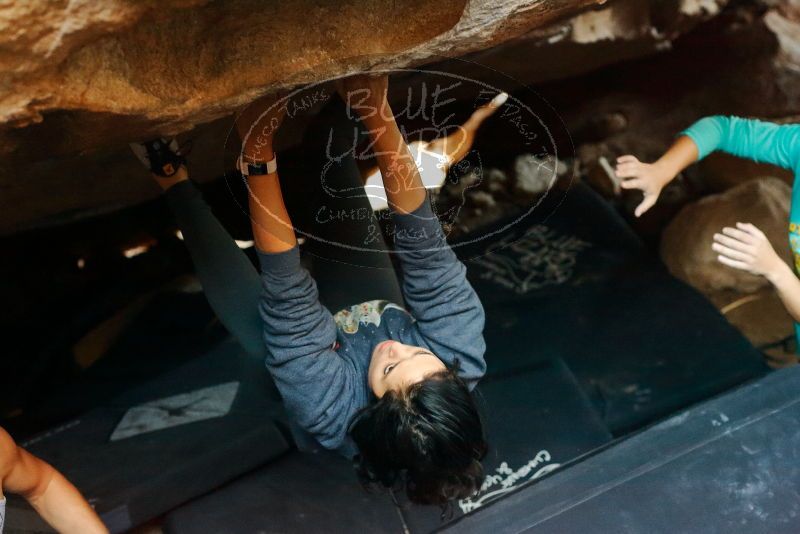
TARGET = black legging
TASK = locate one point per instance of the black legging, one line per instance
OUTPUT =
(345, 276)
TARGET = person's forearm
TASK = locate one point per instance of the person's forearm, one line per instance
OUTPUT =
(401, 179)
(64, 509)
(272, 227)
(680, 155)
(787, 285)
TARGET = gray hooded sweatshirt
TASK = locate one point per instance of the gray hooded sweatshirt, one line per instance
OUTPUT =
(319, 361)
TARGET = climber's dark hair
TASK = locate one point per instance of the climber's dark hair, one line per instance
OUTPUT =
(429, 438)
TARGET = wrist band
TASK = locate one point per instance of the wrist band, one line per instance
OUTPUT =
(257, 168)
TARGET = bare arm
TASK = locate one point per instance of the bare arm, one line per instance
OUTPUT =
(759, 141)
(318, 387)
(366, 95)
(787, 285)
(272, 227)
(51, 495)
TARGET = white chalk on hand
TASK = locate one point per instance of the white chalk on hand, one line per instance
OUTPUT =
(499, 100)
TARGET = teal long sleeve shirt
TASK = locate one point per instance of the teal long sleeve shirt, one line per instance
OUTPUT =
(763, 142)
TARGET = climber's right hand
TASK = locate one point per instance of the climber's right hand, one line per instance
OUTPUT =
(649, 178)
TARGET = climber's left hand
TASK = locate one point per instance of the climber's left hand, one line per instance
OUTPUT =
(747, 248)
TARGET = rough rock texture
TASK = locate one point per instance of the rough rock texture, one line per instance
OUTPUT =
(623, 29)
(168, 66)
(83, 78)
(686, 243)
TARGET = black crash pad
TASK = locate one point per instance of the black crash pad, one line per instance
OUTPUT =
(172, 328)
(574, 283)
(643, 345)
(537, 419)
(301, 492)
(571, 238)
(133, 479)
(729, 465)
(646, 345)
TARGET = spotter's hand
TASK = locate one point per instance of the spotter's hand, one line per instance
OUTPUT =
(747, 248)
(650, 179)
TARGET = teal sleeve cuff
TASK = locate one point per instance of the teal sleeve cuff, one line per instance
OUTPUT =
(702, 150)
(707, 134)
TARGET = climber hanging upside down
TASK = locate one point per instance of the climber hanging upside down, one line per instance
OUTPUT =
(387, 381)
(744, 247)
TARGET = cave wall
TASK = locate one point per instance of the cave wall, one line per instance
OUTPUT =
(83, 78)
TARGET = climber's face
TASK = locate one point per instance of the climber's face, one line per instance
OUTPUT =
(395, 366)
